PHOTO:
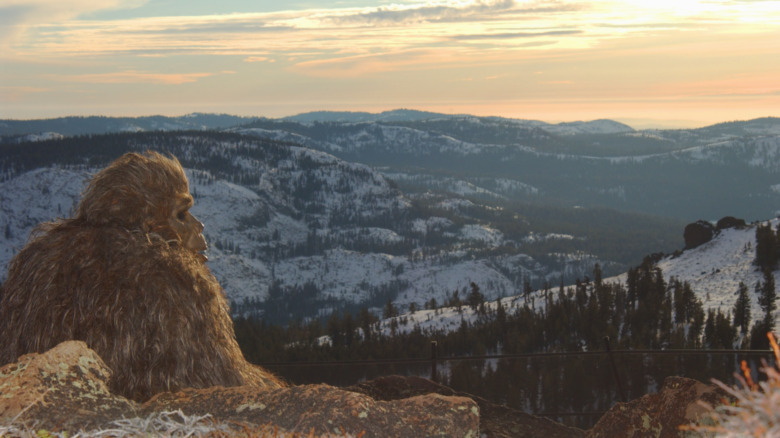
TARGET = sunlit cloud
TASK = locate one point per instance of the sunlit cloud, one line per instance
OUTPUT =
(14, 94)
(607, 51)
(447, 11)
(16, 16)
(259, 59)
(135, 77)
(361, 65)
(356, 31)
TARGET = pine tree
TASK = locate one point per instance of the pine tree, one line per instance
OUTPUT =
(334, 329)
(389, 311)
(366, 320)
(597, 274)
(742, 309)
(766, 247)
(475, 298)
(767, 299)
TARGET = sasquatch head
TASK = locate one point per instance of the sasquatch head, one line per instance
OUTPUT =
(144, 192)
(188, 228)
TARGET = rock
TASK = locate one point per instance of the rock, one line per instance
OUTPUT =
(66, 388)
(495, 421)
(698, 233)
(323, 410)
(660, 414)
(730, 222)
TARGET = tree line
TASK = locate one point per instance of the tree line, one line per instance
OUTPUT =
(648, 312)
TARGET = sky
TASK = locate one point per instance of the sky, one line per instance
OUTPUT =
(658, 63)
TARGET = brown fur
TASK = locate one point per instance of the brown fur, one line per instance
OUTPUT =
(121, 278)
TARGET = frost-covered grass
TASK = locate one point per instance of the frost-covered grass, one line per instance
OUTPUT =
(756, 412)
(168, 424)
(173, 424)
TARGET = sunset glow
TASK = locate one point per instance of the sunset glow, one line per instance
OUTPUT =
(682, 63)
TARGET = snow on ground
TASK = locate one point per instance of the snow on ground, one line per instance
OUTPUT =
(428, 280)
(715, 269)
(41, 195)
(490, 236)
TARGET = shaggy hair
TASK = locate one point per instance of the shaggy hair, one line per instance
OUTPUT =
(118, 277)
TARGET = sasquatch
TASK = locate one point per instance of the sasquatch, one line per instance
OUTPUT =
(127, 275)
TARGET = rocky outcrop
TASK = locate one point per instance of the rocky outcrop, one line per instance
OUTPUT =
(495, 421)
(660, 415)
(325, 410)
(65, 389)
(698, 233)
(730, 222)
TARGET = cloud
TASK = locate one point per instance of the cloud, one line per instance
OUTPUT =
(135, 77)
(17, 15)
(360, 65)
(259, 59)
(14, 94)
(515, 35)
(447, 11)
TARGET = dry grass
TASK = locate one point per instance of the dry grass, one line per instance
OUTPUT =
(756, 412)
(173, 424)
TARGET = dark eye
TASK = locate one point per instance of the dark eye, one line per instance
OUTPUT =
(181, 215)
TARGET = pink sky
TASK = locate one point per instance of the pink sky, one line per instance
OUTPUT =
(681, 63)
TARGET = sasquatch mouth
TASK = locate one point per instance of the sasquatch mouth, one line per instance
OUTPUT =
(201, 249)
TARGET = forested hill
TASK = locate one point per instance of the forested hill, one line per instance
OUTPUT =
(686, 174)
(541, 351)
(298, 233)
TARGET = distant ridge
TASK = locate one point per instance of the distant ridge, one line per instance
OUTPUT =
(81, 125)
(398, 115)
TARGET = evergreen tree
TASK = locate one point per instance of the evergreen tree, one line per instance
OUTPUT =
(527, 289)
(597, 274)
(718, 331)
(334, 329)
(766, 247)
(767, 299)
(742, 309)
(366, 320)
(348, 328)
(475, 297)
(389, 311)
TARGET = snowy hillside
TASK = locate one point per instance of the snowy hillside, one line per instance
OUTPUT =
(300, 230)
(593, 163)
(714, 270)
(296, 231)
(343, 275)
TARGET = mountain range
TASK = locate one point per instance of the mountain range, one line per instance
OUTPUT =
(326, 211)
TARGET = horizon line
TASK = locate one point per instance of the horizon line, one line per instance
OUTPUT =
(635, 123)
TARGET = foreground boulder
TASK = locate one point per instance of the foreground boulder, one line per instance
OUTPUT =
(660, 415)
(495, 421)
(65, 389)
(324, 410)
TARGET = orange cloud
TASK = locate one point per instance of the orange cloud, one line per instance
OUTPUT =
(135, 77)
(259, 59)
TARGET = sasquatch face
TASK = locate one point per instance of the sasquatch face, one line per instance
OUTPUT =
(189, 228)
